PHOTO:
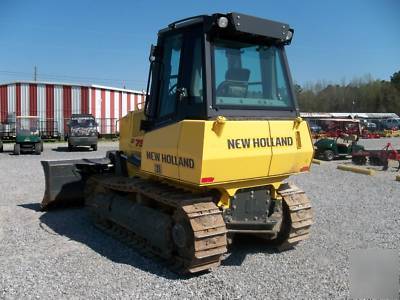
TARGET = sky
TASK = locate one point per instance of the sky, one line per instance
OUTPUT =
(107, 42)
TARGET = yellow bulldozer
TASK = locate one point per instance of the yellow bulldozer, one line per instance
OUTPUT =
(208, 156)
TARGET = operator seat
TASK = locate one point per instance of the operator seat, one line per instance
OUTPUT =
(235, 84)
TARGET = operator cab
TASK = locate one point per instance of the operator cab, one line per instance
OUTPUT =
(230, 65)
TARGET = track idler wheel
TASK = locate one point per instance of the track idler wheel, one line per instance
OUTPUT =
(297, 217)
(183, 237)
(199, 236)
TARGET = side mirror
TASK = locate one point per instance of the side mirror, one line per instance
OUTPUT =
(152, 57)
(146, 125)
(155, 52)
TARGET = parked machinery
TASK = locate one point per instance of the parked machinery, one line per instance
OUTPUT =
(208, 156)
(341, 142)
(27, 137)
(82, 131)
(377, 157)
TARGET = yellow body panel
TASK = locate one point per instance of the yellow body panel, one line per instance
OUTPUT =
(226, 155)
(231, 155)
(191, 145)
(131, 137)
(291, 159)
(160, 148)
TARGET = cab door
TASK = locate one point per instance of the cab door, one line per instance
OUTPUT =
(169, 79)
(191, 91)
(160, 143)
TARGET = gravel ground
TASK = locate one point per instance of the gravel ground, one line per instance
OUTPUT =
(62, 255)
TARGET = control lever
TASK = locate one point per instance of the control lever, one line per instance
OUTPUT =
(182, 93)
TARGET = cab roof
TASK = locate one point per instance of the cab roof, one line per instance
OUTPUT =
(239, 23)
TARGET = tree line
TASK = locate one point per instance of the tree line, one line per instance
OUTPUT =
(360, 95)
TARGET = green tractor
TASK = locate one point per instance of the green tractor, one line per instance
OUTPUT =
(28, 137)
(341, 142)
(339, 147)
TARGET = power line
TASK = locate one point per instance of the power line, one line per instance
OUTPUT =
(67, 76)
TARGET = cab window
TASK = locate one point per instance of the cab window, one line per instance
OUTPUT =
(170, 71)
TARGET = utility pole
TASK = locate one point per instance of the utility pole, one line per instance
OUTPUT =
(35, 73)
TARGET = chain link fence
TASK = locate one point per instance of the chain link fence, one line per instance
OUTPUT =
(51, 129)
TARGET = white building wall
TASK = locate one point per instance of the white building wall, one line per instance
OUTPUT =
(76, 103)
(90, 101)
(24, 99)
(107, 112)
(141, 100)
(116, 105)
(76, 100)
(98, 103)
(59, 108)
(124, 104)
(11, 99)
(41, 101)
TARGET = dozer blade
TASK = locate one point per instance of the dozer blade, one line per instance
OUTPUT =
(65, 180)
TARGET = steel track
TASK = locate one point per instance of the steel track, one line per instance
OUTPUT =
(207, 233)
(206, 229)
(298, 217)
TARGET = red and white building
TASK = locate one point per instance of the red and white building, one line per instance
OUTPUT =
(55, 102)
